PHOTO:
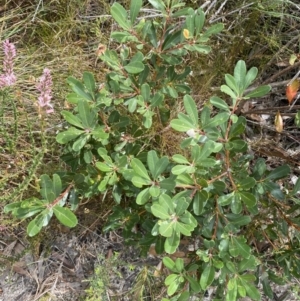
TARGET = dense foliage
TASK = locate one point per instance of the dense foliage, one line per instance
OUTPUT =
(210, 188)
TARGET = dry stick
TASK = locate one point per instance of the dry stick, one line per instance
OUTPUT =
(211, 6)
(272, 129)
(38, 297)
(297, 6)
(285, 70)
(291, 41)
(296, 99)
(219, 9)
(294, 78)
(36, 10)
(230, 13)
(59, 272)
(107, 294)
(206, 3)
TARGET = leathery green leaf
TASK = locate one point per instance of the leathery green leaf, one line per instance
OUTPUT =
(194, 284)
(72, 119)
(250, 76)
(172, 288)
(259, 92)
(47, 190)
(248, 198)
(79, 89)
(160, 166)
(240, 75)
(143, 197)
(231, 83)
(160, 211)
(251, 290)
(166, 228)
(68, 135)
(199, 200)
(231, 290)
(228, 91)
(86, 115)
(279, 172)
(219, 103)
(216, 120)
(57, 185)
(172, 243)
(135, 7)
(65, 216)
(179, 264)
(199, 21)
(181, 206)
(120, 15)
(181, 159)
(183, 228)
(243, 249)
(169, 263)
(207, 276)
(191, 109)
(166, 201)
(181, 125)
(140, 182)
(35, 226)
(89, 82)
(139, 168)
(134, 67)
(158, 4)
(171, 278)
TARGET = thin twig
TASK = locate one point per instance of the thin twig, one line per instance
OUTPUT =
(232, 12)
(296, 99)
(36, 10)
(59, 273)
(285, 70)
(219, 9)
(210, 7)
(294, 78)
(286, 46)
(205, 4)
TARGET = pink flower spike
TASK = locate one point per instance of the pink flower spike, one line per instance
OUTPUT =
(9, 49)
(45, 88)
(8, 78)
(2, 81)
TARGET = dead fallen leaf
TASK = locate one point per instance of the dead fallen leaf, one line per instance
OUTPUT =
(278, 122)
(158, 269)
(292, 90)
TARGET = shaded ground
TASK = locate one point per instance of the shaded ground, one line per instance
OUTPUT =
(62, 268)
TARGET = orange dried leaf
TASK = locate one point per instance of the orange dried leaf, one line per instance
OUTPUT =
(291, 90)
(278, 122)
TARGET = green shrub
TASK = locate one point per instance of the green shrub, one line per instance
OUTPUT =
(211, 187)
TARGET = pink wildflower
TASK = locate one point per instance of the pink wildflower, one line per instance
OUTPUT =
(45, 88)
(8, 78)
